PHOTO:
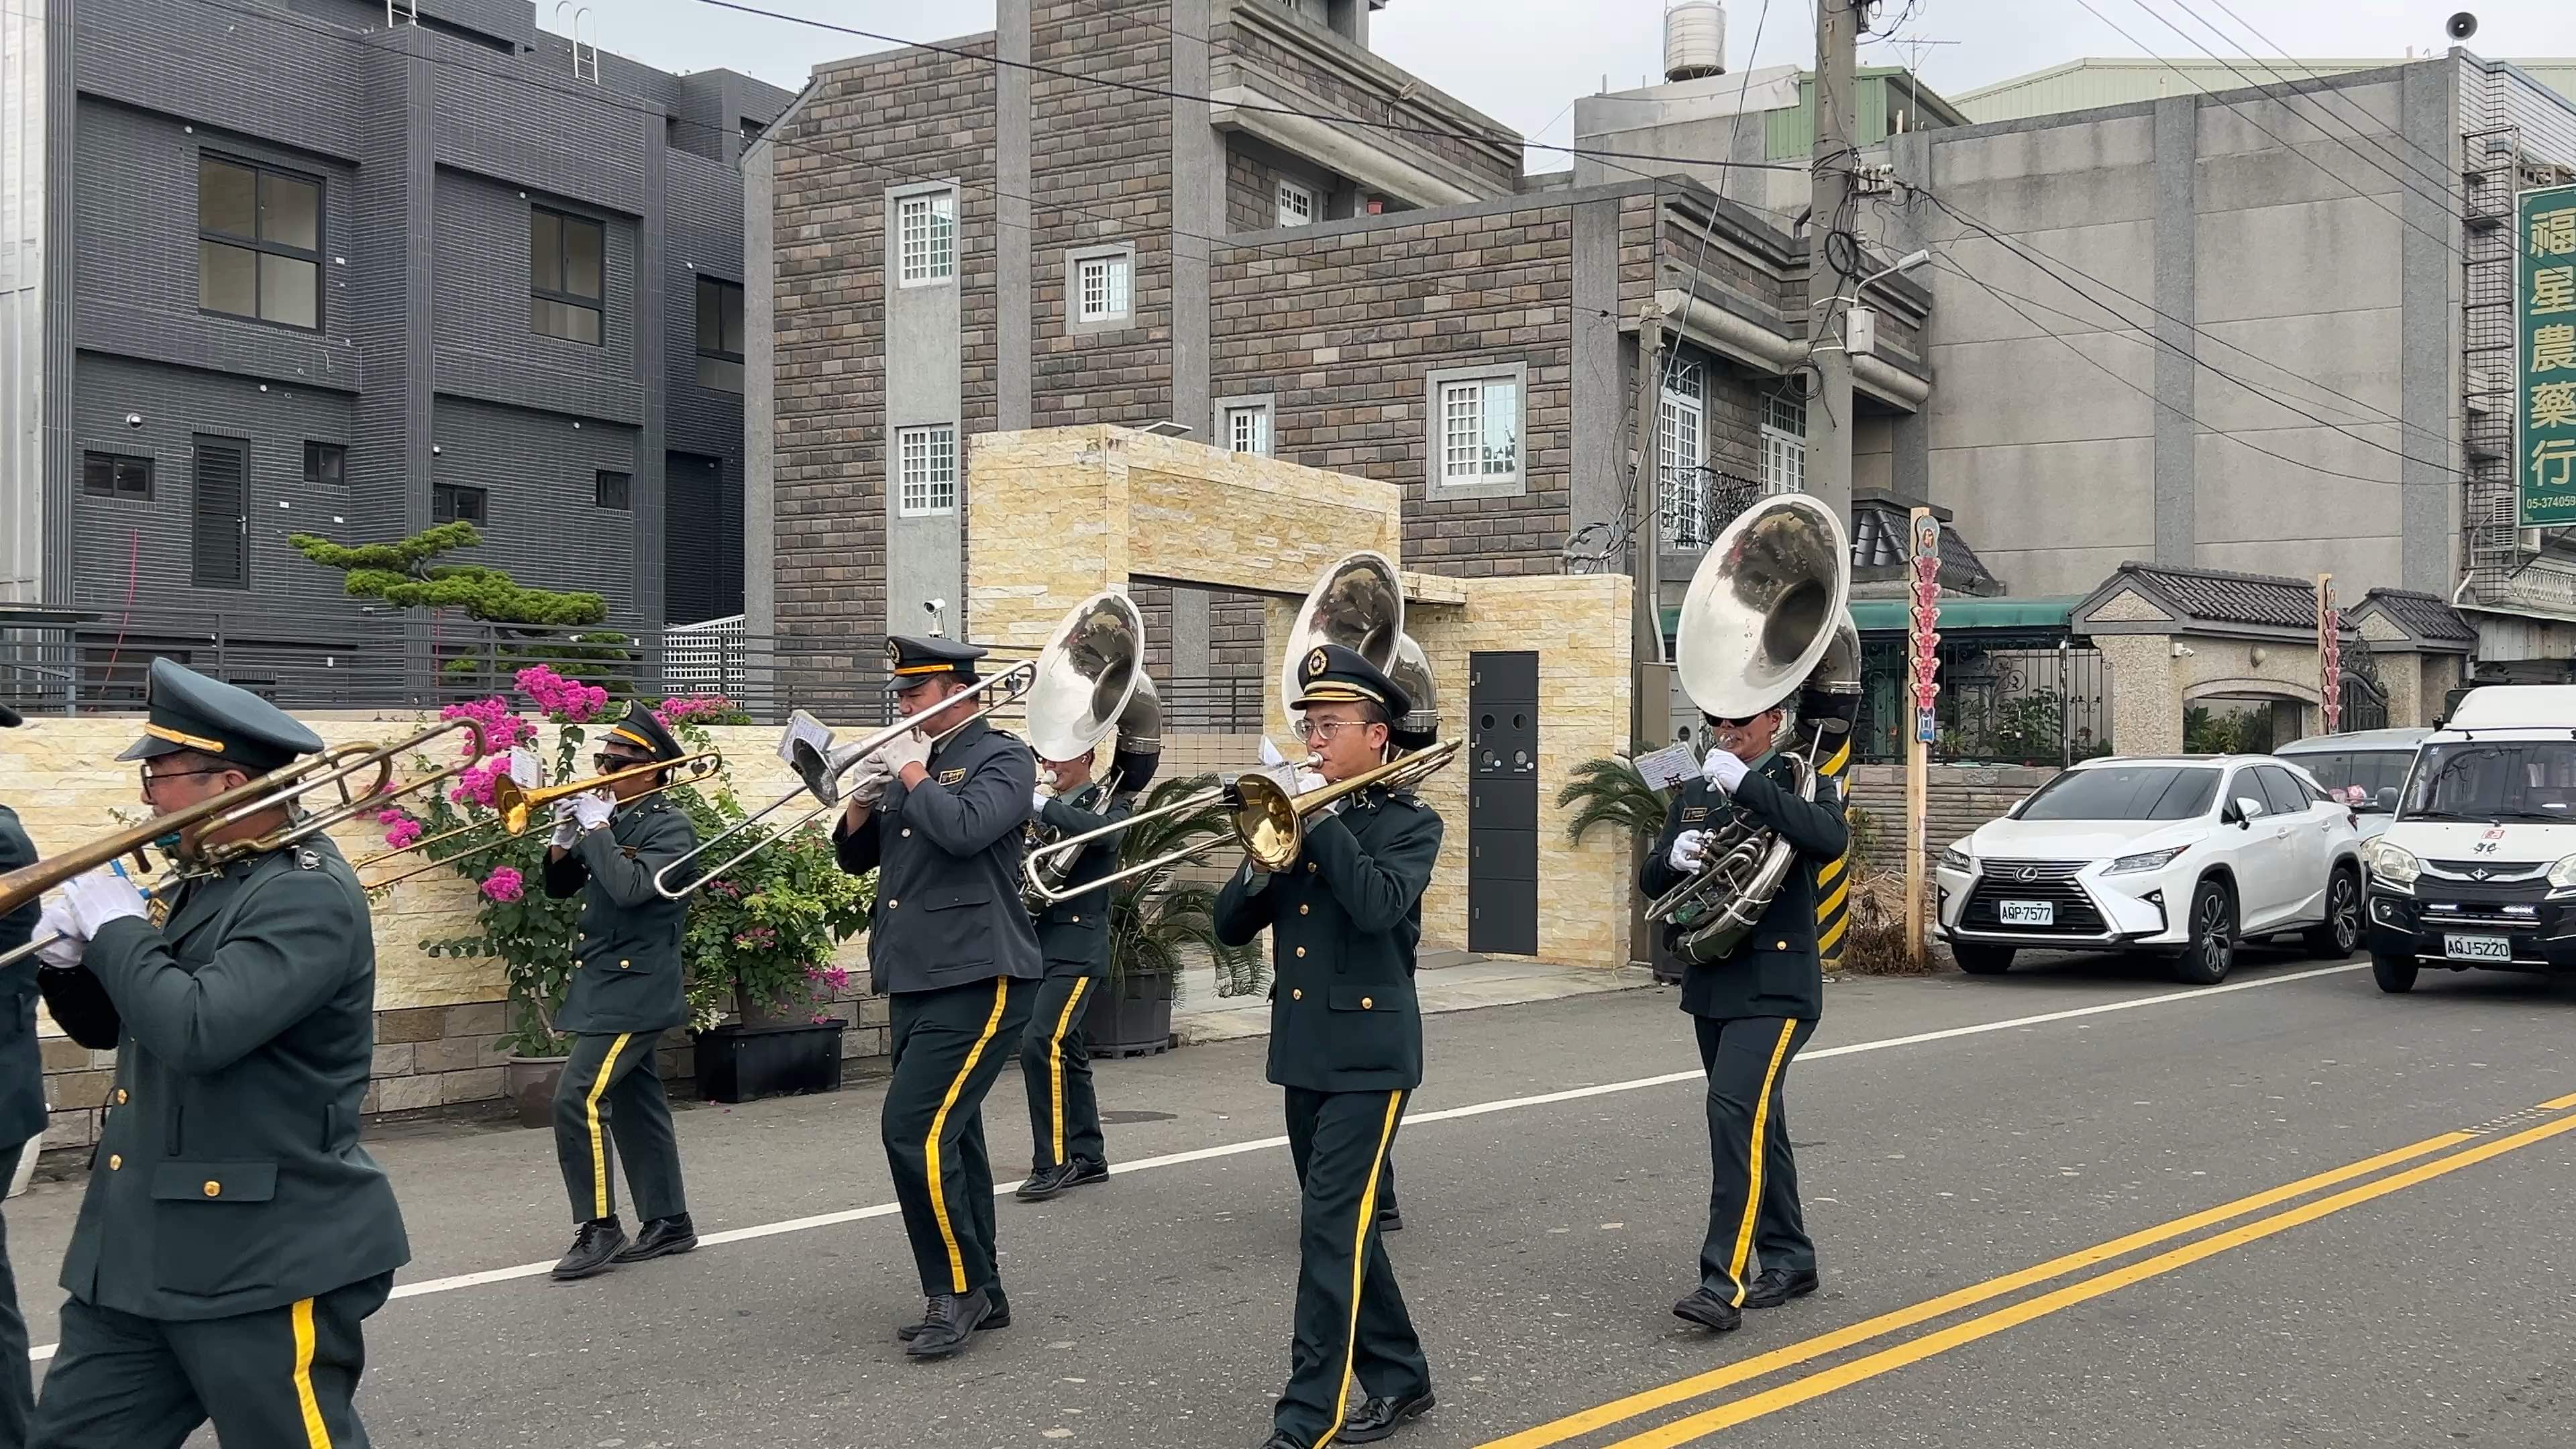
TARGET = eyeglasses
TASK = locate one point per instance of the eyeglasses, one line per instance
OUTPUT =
(1310, 730)
(153, 777)
(608, 764)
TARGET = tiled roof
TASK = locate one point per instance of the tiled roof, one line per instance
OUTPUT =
(2426, 616)
(1879, 542)
(2217, 597)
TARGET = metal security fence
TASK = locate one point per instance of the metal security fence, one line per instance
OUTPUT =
(2006, 699)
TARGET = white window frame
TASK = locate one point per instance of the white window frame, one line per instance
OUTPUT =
(1784, 445)
(1296, 203)
(925, 470)
(1681, 451)
(1246, 424)
(1115, 268)
(1468, 396)
(925, 222)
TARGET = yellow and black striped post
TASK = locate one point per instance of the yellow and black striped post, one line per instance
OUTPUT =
(1833, 883)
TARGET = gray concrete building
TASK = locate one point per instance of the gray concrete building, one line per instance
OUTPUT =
(351, 268)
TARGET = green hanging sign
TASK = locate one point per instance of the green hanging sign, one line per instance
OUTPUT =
(2544, 395)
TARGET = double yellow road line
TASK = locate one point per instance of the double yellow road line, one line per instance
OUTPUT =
(2448, 1153)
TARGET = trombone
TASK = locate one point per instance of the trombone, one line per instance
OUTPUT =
(821, 773)
(279, 789)
(1269, 822)
(517, 806)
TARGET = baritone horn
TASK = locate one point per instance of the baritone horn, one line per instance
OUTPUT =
(1767, 617)
(1092, 682)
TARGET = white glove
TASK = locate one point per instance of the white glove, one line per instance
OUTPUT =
(1037, 803)
(93, 900)
(592, 810)
(567, 826)
(909, 748)
(1723, 770)
(56, 921)
(1690, 850)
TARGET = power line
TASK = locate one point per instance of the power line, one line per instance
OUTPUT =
(2440, 172)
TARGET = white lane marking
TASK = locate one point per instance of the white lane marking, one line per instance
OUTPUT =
(1476, 1109)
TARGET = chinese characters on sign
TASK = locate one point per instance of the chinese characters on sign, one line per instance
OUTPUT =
(1926, 535)
(2545, 363)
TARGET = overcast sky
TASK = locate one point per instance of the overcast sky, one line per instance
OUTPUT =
(1523, 61)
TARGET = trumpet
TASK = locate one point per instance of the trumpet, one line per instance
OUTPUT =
(821, 773)
(279, 789)
(1269, 822)
(517, 806)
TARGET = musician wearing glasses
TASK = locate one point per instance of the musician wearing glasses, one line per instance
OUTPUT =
(1346, 1042)
(1073, 938)
(628, 987)
(234, 1235)
(938, 815)
(22, 1110)
(1753, 1011)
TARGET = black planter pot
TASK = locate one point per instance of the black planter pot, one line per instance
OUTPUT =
(746, 1063)
(1131, 1017)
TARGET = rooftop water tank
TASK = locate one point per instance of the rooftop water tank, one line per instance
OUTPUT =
(1694, 39)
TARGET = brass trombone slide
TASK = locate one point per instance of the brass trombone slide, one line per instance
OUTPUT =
(517, 807)
(275, 790)
(822, 774)
(1269, 823)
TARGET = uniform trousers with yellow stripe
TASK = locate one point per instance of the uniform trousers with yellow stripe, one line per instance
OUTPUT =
(1353, 1336)
(1754, 1220)
(281, 1378)
(949, 1046)
(609, 1104)
(1055, 1058)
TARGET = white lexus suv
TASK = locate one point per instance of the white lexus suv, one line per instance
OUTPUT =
(2181, 857)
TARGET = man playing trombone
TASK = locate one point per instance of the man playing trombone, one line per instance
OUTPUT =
(1073, 938)
(1345, 916)
(938, 815)
(628, 987)
(234, 1235)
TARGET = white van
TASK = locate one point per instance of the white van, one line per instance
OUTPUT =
(2364, 769)
(2479, 866)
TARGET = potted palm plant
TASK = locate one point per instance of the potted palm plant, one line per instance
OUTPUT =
(1609, 793)
(1158, 923)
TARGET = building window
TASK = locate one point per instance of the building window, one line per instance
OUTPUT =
(1681, 447)
(1476, 423)
(116, 475)
(719, 334)
(926, 462)
(1296, 203)
(926, 234)
(326, 465)
(452, 503)
(222, 509)
(613, 490)
(1784, 445)
(1100, 283)
(1247, 429)
(259, 243)
(565, 264)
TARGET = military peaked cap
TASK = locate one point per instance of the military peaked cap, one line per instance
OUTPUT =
(640, 730)
(1334, 674)
(910, 657)
(186, 710)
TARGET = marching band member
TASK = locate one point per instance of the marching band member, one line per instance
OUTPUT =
(938, 816)
(22, 1111)
(1346, 1043)
(234, 1236)
(1073, 938)
(628, 987)
(1753, 1012)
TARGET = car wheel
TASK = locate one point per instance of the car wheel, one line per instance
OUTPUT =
(2212, 952)
(1983, 960)
(2340, 935)
(2395, 974)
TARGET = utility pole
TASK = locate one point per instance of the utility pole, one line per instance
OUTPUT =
(1829, 412)
(1650, 714)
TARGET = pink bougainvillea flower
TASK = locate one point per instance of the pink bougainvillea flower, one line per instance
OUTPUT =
(504, 885)
(474, 784)
(499, 728)
(402, 833)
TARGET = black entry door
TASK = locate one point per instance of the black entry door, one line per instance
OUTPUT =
(1502, 802)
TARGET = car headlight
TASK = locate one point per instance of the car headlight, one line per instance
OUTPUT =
(1956, 859)
(2562, 876)
(2397, 866)
(2151, 860)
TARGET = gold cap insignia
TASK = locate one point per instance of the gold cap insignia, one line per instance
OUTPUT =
(1315, 663)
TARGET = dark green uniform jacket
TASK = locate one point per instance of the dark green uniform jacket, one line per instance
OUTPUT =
(947, 856)
(1776, 972)
(1344, 920)
(22, 1075)
(1073, 935)
(228, 1177)
(628, 975)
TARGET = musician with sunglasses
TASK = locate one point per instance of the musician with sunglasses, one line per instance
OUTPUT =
(628, 987)
(1753, 1011)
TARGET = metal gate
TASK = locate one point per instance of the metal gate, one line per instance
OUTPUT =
(1502, 802)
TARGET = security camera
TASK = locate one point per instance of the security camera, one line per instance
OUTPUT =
(934, 606)
(2183, 651)
(134, 420)
(2461, 26)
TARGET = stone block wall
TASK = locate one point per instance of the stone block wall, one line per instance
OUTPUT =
(1959, 799)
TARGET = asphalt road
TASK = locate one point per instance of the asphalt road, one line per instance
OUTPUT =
(2075, 1205)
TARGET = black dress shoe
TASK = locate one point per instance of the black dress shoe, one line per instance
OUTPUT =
(1378, 1416)
(950, 1321)
(1776, 1286)
(1047, 1182)
(1000, 1317)
(660, 1238)
(1706, 1309)
(595, 1245)
(1389, 1220)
